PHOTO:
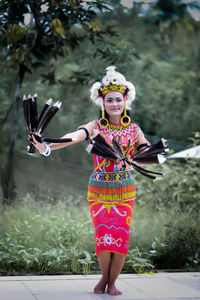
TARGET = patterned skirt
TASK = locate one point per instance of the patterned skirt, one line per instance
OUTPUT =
(111, 196)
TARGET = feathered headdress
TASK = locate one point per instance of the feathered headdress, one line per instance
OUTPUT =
(112, 81)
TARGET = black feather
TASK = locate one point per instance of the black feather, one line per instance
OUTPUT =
(35, 113)
(32, 115)
(154, 152)
(101, 140)
(128, 147)
(25, 112)
(105, 151)
(48, 117)
(28, 111)
(31, 149)
(143, 173)
(118, 148)
(58, 140)
(45, 108)
(146, 170)
(159, 145)
(151, 159)
(98, 151)
(156, 148)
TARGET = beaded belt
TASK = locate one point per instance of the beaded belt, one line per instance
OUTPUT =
(110, 176)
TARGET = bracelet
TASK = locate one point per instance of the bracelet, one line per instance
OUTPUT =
(86, 132)
(47, 151)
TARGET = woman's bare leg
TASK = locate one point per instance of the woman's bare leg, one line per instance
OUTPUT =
(104, 259)
(117, 262)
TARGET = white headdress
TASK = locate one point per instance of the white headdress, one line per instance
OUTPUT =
(112, 81)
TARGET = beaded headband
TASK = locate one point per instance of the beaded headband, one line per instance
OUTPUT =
(112, 81)
(111, 88)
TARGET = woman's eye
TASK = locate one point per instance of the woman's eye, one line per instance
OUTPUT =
(109, 100)
(119, 100)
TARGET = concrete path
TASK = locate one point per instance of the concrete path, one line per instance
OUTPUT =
(163, 286)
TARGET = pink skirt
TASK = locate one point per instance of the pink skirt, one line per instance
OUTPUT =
(111, 208)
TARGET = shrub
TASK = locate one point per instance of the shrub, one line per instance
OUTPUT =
(57, 237)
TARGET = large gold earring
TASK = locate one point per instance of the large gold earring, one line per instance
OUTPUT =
(103, 121)
(125, 120)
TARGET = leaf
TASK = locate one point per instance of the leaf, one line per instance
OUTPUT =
(57, 28)
(95, 26)
(74, 3)
(15, 33)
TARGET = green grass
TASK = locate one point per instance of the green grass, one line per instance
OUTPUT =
(58, 238)
(46, 238)
(48, 233)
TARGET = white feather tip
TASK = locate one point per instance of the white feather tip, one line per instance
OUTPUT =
(59, 104)
(161, 159)
(28, 148)
(164, 141)
(110, 68)
(49, 101)
(89, 148)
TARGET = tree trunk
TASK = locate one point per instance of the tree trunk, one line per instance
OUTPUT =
(8, 184)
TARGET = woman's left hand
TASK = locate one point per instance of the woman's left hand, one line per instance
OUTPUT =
(37, 145)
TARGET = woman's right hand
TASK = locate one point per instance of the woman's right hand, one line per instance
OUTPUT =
(37, 145)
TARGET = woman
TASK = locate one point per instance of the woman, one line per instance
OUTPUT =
(111, 189)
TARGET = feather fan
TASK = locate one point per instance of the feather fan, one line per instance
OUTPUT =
(35, 125)
(114, 152)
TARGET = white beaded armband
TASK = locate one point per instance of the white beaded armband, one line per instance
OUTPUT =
(47, 151)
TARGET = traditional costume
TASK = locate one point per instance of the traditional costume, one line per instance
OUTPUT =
(111, 188)
(111, 193)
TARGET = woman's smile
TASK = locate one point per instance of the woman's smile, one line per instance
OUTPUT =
(114, 103)
(115, 108)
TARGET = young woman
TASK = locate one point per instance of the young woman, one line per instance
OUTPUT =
(111, 189)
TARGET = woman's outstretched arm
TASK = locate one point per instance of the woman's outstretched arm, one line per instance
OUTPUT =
(141, 141)
(78, 136)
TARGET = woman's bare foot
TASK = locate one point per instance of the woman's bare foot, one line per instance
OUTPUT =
(112, 290)
(100, 287)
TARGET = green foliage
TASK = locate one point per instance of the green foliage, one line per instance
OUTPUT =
(195, 139)
(45, 239)
(57, 237)
(169, 238)
(52, 239)
(173, 203)
(33, 32)
(165, 74)
(136, 262)
(182, 250)
(180, 186)
(159, 53)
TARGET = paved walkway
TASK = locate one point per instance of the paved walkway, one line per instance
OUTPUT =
(163, 286)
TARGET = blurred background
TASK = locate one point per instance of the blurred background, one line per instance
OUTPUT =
(58, 49)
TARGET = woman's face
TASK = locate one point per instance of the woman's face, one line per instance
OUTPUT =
(114, 103)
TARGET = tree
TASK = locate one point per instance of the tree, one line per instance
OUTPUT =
(32, 33)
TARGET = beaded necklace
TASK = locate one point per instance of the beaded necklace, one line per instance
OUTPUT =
(116, 128)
